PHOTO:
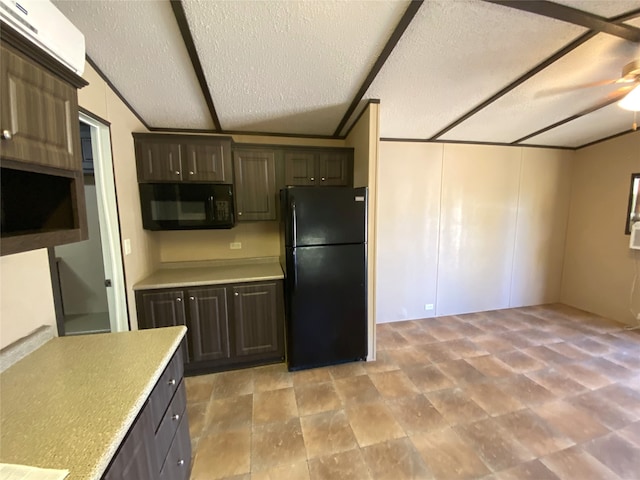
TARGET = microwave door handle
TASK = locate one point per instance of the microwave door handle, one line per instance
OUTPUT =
(212, 207)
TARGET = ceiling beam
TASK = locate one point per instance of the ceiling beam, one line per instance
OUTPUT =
(574, 16)
(404, 22)
(181, 18)
(617, 96)
(519, 81)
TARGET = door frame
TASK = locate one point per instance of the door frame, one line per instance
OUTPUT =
(109, 221)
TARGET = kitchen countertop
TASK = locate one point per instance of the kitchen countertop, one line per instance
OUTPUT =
(69, 404)
(191, 274)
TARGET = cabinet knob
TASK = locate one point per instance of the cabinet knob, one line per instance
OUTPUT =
(312, 179)
(171, 382)
(175, 417)
(190, 173)
(6, 135)
(177, 172)
(236, 294)
(239, 213)
(178, 299)
(322, 179)
(180, 463)
(192, 298)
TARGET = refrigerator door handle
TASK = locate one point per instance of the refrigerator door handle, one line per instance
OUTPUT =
(295, 270)
(294, 222)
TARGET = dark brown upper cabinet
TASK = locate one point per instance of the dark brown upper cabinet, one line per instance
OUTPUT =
(183, 158)
(320, 168)
(255, 181)
(40, 156)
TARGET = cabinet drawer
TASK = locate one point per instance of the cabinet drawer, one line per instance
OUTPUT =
(178, 462)
(169, 424)
(166, 388)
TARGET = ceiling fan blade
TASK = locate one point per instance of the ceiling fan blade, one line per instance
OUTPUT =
(612, 97)
(555, 91)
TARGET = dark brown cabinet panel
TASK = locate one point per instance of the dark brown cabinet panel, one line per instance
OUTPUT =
(255, 180)
(256, 319)
(319, 167)
(159, 161)
(300, 168)
(39, 114)
(162, 309)
(228, 325)
(207, 324)
(208, 162)
(183, 158)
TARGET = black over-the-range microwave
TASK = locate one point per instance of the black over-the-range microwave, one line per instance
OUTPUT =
(186, 206)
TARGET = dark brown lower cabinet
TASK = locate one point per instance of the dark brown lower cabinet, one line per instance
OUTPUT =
(229, 326)
(158, 445)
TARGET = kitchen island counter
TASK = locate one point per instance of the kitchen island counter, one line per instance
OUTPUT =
(70, 403)
(217, 272)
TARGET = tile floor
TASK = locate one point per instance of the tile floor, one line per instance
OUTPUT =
(545, 392)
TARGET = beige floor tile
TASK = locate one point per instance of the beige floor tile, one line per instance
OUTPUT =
(196, 413)
(296, 471)
(496, 447)
(455, 406)
(585, 375)
(199, 388)
(346, 465)
(409, 357)
(444, 332)
(350, 369)
(520, 362)
(631, 433)
(492, 343)
(603, 409)
(534, 470)
(234, 383)
(533, 432)
(274, 406)
(609, 369)
(572, 422)
(546, 355)
(395, 459)
(416, 414)
(327, 433)
(232, 455)
(393, 384)
(440, 352)
(271, 377)
(569, 351)
(574, 463)
(274, 444)
(591, 346)
(526, 390)
(556, 382)
(617, 453)
(429, 379)
(313, 375)
(373, 423)
(464, 347)
(448, 456)
(229, 413)
(418, 336)
(387, 339)
(356, 389)
(316, 398)
(491, 399)
(490, 366)
(460, 372)
(382, 363)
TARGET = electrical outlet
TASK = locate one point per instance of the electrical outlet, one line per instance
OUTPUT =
(428, 306)
(127, 246)
(235, 245)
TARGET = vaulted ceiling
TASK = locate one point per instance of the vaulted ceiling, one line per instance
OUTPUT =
(504, 72)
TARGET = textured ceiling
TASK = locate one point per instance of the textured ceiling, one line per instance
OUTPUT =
(296, 66)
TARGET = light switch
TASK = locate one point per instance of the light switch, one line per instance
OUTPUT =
(127, 246)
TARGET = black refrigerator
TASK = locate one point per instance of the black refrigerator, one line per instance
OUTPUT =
(324, 257)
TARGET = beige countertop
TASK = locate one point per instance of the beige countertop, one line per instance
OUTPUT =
(69, 404)
(191, 274)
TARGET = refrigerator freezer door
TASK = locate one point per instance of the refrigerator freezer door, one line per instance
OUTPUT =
(324, 215)
(326, 305)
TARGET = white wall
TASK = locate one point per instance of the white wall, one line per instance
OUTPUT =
(599, 267)
(469, 228)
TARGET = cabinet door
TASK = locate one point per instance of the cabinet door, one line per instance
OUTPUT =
(208, 320)
(333, 169)
(255, 180)
(256, 319)
(300, 168)
(208, 162)
(162, 309)
(158, 161)
(136, 459)
(40, 113)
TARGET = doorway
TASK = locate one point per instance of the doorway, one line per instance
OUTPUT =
(88, 276)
